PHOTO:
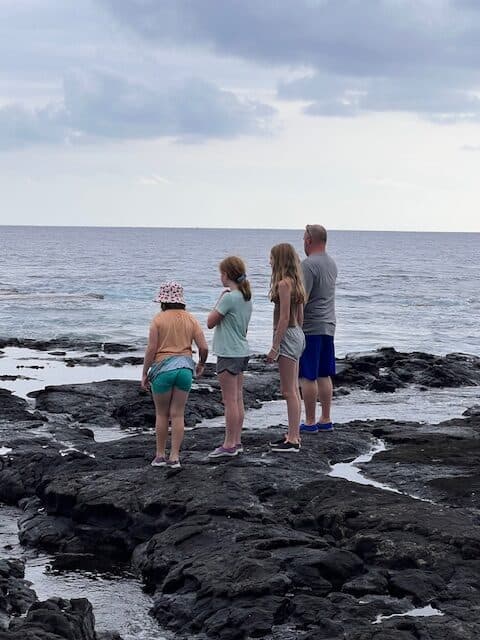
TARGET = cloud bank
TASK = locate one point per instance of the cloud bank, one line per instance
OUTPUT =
(417, 56)
(144, 69)
(103, 105)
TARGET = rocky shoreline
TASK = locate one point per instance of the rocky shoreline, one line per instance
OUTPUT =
(260, 545)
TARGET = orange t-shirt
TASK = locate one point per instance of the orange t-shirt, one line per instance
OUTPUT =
(176, 330)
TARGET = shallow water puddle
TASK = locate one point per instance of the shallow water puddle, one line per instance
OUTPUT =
(409, 405)
(349, 470)
(53, 370)
(422, 612)
(70, 448)
(118, 601)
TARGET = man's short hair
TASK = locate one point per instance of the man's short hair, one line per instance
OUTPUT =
(317, 233)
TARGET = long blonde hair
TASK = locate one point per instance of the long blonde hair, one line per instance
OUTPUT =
(286, 265)
(235, 270)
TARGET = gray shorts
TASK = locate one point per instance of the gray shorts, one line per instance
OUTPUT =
(293, 343)
(232, 365)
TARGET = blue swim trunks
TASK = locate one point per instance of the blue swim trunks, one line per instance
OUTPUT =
(318, 359)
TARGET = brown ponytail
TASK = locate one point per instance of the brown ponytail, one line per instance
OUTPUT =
(235, 269)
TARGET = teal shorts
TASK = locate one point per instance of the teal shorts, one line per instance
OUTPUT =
(177, 378)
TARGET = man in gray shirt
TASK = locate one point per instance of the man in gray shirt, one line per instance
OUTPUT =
(317, 363)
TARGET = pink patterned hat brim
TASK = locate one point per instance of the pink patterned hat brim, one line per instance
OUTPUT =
(171, 292)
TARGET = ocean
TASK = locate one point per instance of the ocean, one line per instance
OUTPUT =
(412, 291)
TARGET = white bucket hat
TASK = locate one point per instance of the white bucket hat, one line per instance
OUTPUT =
(170, 292)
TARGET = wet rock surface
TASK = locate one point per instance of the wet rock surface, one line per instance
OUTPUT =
(15, 595)
(61, 344)
(123, 403)
(23, 617)
(386, 370)
(262, 545)
(13, 409)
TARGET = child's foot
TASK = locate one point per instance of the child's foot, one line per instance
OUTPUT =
(286, 447)
(309, 428)
(173, 464)
(224, 452)
(159, 461)
(239, 447)
(324, 426)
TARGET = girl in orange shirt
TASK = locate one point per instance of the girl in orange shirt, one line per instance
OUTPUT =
(168, 368)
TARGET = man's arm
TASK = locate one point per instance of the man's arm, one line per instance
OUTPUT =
(307, 279)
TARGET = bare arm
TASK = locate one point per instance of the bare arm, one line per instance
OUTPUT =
(300, 309)
(202, 346)
(215, 317)
(150, 352)
(284, 296)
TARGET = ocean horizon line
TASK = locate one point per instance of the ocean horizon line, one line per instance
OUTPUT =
(219, 228)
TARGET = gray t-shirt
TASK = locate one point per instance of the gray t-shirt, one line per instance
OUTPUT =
(320, 275)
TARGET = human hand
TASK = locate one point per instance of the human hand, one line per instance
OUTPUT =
(199, 369)
(272, 356)
(145, 384)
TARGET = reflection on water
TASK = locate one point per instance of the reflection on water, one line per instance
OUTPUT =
(407, 405)
(38, 369)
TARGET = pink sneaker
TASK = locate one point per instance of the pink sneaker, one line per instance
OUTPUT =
(159, 461)
(224, 452)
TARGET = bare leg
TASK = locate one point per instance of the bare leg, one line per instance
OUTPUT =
(310, 396)
(177, 413)
(228, 384)
(162, 409)
(289, 387)
(325, 395)
(241, 408)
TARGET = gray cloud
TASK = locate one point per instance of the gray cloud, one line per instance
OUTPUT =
(104, 105)
(418, 56)
(440, 102)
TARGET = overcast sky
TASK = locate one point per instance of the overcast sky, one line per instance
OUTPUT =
(241, 113)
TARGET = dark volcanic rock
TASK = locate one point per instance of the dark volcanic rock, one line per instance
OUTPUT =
(13, 408)
(436, 462)
(472, 411)
(233, 549)
(263, 545)
(387, 369)
(65, 343)
(54, 619)
(22, 617)
(131, 407)
(15, 594)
